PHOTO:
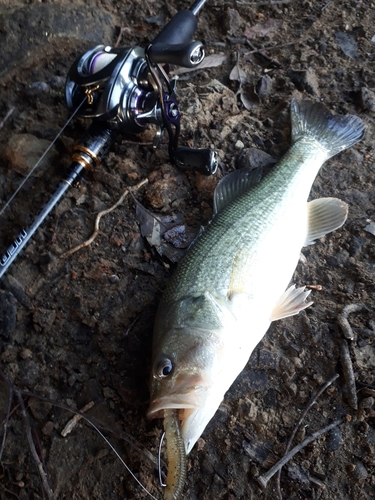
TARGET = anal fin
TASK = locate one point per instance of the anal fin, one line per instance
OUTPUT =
(324, 215)
(292, 301)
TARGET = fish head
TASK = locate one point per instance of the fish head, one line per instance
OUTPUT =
(183, 378)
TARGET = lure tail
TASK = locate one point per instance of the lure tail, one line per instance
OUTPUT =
(315, 121)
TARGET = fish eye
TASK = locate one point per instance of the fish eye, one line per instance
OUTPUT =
(164, 368)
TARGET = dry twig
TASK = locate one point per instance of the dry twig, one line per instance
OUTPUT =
(347, 368)
(263, 480)
(261, 53)
(326, 5)
(42, 472)
(6, 117)
(74, 421)
(100, 215)
(342, 319)
(305, 411)
(6, 421)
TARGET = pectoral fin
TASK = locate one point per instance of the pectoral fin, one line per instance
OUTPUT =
(291, 302)
(324, 215)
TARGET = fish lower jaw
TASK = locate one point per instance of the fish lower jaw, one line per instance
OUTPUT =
(157, 408)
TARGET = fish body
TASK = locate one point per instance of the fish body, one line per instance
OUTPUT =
(232, 282)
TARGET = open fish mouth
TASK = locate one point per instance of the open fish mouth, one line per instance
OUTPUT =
(175, 402)
(187, 408)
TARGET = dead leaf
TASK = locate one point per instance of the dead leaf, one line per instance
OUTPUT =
(154, 226)
(166, 233)
(239, 75)
(249, 98)
(263, 29)
(211, 61)
(180, 236)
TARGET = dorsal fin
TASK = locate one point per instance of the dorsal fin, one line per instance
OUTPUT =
(233, 185)
(324, 215)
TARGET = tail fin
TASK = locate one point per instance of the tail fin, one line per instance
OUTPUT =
(334, 133)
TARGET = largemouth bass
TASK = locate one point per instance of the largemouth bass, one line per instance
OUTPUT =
(231, 284)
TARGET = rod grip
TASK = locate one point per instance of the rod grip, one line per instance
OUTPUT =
(180, 29)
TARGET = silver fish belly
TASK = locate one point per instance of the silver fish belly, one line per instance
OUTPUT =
(232, 282)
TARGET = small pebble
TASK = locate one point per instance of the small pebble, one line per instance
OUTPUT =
(370, 228)
(358, 471)
(114, 278)
(26, 354)
(334, 440)
(57, 82)
(37, 88)
(366, 403)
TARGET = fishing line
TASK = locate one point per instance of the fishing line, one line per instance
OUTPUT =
(42, 157)
(119, 457)
(159, 461)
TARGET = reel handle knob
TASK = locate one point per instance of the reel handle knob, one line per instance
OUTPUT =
(185, 55)
(204, 161)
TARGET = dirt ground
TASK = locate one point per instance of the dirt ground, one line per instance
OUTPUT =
(78, 329)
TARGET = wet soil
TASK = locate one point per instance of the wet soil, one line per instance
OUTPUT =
(79, 328)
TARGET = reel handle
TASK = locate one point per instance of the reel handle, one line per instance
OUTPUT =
(204, 161)
(186, 55)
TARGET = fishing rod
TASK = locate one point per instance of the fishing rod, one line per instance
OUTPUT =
(123, 90)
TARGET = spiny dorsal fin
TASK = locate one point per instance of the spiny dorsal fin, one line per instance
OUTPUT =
(290, 303)
(233, 185)
(324, 215)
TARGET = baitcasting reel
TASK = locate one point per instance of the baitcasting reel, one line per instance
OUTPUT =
(128, 89)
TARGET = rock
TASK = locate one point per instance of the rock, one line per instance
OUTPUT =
(305, 80)
(23, 151)
(358, 471)
(366, 403)
(231, 22)
(367, 97)
(347, 43)
(8, 314)
(264, 86)
(239, 145)
(370, 228)
(57, 82)
(254, 158)
(17, 290)
(334, 439)
(37, 88)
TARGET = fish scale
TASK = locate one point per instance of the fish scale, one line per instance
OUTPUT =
(243, 223)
